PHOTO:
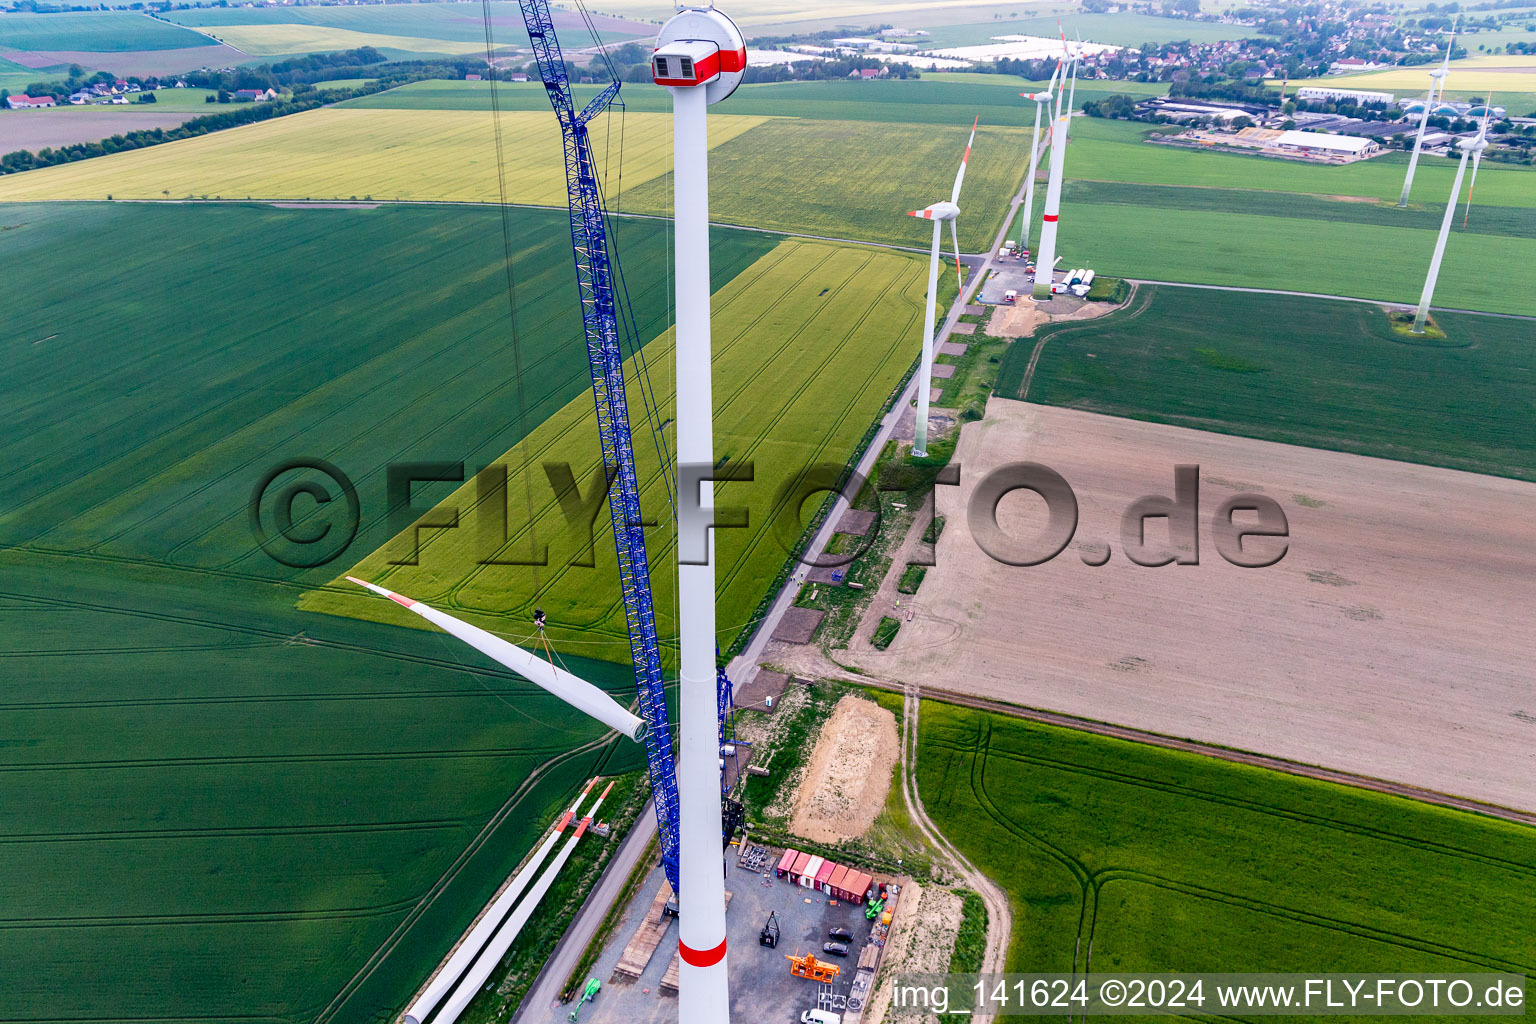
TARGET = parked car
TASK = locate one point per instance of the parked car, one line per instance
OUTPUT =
(835, 948)
(841, 935)
(820, 1017)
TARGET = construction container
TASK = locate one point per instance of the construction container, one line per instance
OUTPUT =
(854, 888)
(834, 886)
(786, 862)
(823, 875)
(798, 867)
(808, 873)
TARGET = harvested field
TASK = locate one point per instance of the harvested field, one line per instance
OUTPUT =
(846, 783)
(35, 129)
(856, 522)
(144, 62)
(798, 625)
(1393, 629)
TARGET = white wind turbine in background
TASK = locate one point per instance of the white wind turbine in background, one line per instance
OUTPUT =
(1436, 92)
(1477, 156)
(938, 213)
(1041, 100)
(1473, 148)
(1045, 260)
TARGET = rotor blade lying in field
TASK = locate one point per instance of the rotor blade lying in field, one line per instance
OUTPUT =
(574, 690)
(481, 933)
(507, 934)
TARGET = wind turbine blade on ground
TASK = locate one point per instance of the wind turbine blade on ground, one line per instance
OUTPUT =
(574, 690)
(475, 941)
(507, 934)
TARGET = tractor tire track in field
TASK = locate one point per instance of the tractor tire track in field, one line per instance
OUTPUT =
(1106, 876)
(999, 912)
(1224, 753)
(182, 920)
(660, 554)
(517, 685)
(981, 750)
(235, 831)
(1258, 807)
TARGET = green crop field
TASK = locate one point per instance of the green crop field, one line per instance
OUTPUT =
(809, 343)
(401, 30)
(993, 98)
(457, 22)
(1160, 860)
(1103, 150)
(1481, 271)
(100, 31)
(214, 805)
(1301, 371)
(1121, 29)
(855, 179)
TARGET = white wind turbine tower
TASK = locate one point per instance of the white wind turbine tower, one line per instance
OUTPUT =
(700, 59)
(1041, 100)
(1045, 259)
(1476, 146)
(1436, 90)
(938, 213)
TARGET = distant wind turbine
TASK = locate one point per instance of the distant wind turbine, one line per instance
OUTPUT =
(1477, 156)
(1477, 145)
(1436, 90)
(1041, 100)
(938, 213)
(1045, 260)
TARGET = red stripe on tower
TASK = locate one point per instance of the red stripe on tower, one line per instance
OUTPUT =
(1050, 218)
(701, 957)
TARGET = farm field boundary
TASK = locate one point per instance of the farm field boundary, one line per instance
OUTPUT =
(1099, 843)
(777, 312)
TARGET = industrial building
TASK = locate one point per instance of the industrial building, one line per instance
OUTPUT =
(1316, 144)
(1321, 94)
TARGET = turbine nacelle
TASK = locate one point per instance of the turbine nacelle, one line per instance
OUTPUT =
(945, 210)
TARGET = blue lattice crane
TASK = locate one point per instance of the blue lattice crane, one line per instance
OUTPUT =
(597, 274)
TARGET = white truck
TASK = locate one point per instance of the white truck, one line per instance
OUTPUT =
(820, 1017)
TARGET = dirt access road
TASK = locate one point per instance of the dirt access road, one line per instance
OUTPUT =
(1392, 641)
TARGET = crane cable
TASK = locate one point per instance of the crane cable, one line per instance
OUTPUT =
(520, 423)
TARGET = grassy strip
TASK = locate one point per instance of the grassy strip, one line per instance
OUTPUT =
(912, 578)
(885, 633)
(1109, 289)
(970, 947)
(616, 911)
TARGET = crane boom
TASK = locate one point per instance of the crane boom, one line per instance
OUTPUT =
(596, 268)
